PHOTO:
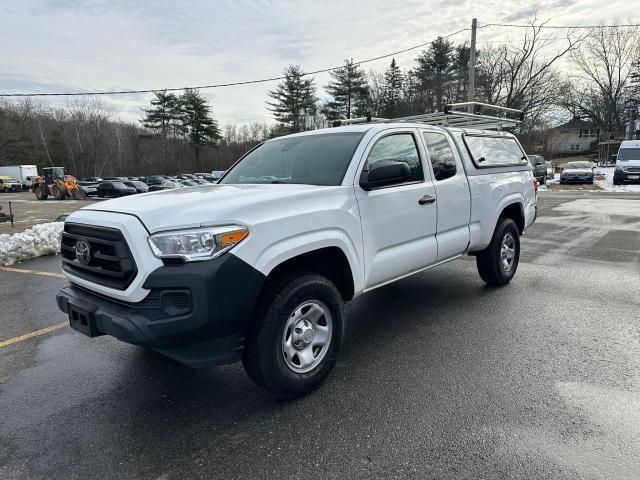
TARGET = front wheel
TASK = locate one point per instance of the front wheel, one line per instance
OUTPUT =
(497, 264)
(296, 335)
(58, 193)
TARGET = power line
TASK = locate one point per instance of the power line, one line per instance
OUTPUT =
(624, 25)
(220, 85)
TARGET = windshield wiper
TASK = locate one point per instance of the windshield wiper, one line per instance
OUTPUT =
(279, 181)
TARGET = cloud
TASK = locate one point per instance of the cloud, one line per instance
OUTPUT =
(81, 45)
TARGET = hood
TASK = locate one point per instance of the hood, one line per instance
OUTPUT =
(628, 163)
(579, 171)
(204, 205)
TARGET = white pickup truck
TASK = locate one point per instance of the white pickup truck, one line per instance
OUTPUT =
(258, 267)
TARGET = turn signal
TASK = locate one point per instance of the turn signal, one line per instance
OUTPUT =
(233, 237)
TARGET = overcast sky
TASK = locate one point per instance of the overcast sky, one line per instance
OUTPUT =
(69, 45)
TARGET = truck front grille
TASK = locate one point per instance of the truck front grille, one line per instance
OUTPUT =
(108, 262)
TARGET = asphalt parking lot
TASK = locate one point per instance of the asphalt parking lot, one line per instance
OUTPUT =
(28, 211)
(440, 377)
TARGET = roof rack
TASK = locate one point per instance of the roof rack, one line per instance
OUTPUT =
(467, 114)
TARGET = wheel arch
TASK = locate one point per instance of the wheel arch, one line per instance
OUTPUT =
(514, 211)
(329, 261)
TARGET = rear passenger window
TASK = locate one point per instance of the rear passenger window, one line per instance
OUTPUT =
(488, 151)
(399, 147)
(440, 154)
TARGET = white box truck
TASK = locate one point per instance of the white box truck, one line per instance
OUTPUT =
(23, 173)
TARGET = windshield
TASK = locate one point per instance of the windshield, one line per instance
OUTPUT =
(629, 154)
(577, 165)
(309, 159)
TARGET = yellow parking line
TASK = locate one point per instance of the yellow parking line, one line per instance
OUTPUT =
(27, 336)
(34, 272)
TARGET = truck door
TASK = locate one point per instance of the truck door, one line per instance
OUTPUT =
(398, 220)
(452, 192)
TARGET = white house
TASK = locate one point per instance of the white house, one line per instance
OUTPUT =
(576, 136)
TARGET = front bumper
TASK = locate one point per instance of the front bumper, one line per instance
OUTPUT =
(195, 313)
(576, 179)
(626, 177)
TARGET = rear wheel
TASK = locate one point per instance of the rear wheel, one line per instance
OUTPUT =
(543, 181)
(498, 263)
(296, 336)
(41, 192)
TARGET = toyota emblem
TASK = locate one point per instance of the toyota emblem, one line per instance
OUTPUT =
(83, 251)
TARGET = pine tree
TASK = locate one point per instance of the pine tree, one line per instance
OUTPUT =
(392, 93)
(164, 110)
(294, 99)
(434, 71)
(196, 122)
(350, 92)
(161, 116)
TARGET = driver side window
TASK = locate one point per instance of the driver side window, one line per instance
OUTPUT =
(398, 147)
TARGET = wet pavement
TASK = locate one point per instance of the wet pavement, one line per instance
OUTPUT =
(440, 377)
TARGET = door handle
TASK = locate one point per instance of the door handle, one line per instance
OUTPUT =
(426, 200)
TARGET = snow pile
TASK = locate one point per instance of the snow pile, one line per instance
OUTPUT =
(608, 185)
(43, 239)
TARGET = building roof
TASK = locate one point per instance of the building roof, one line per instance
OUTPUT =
(575, 124)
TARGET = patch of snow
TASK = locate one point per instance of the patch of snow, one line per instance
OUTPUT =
(599, 208)
(42, 239)
(608, 185)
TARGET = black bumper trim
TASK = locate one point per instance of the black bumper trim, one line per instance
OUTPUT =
(222, 296)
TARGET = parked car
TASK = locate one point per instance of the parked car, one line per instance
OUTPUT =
(539, 167)
(208, 177)
(166, 185)
(627, 168)
(90, 188)
(577, 172)
(114, 189)
(318, 219)
(217, 174)
(93, 179)
(154, 180)
(139, 186)
(9, 184)
(189, 183)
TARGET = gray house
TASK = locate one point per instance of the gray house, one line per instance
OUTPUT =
(576, 136)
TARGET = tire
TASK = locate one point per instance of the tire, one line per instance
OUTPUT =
(492, 262)
(286, 363)
(543, 181)
(58, 193)
(41, 192)
(79, 195)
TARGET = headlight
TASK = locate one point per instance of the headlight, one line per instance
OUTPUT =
(197, 244)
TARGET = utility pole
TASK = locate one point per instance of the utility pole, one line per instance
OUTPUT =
(472, 63)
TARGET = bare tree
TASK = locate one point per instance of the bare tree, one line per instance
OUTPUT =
(523, 76)
(604, 65)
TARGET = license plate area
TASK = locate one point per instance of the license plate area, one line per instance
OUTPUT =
(83, 320)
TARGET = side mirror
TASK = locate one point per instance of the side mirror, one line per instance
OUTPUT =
(384, 173)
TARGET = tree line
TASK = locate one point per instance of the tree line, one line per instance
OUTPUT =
(179, 132)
